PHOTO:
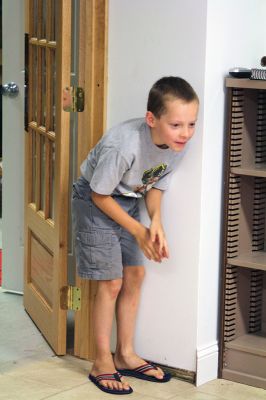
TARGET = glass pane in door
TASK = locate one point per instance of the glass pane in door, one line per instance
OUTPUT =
(43, 162)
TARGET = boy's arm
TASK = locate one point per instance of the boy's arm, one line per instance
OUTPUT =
(153, 200)
(142, 234)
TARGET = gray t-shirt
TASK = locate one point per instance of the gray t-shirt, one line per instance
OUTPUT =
(127, 162)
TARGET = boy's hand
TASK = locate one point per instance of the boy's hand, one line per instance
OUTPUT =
(159, 239)
(149, 248)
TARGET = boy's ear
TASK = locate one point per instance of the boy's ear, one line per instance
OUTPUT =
(150, 119)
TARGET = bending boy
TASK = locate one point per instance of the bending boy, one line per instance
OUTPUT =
(132, 160)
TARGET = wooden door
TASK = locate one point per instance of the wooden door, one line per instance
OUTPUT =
(47, 167)
(91, 124)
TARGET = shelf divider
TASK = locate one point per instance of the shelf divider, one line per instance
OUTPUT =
(251, 170)
(250, 343)
(254, 260)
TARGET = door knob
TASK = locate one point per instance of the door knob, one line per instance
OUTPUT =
(10, 89)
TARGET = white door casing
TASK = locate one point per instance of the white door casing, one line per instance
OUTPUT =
(13, 29)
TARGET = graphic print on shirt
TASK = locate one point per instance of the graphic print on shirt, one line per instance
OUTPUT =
(150, 177)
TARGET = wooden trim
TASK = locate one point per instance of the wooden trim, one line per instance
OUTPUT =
(92, 72)
(63, 62)
(100, 67)
(91, 124)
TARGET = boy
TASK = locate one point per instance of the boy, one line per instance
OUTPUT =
(132, 160)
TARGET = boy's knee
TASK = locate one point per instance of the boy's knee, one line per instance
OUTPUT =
(134, 275)
(113, 287)
(140, 274)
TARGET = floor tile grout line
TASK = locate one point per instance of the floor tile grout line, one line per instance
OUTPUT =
(63, 391)
(29, 379)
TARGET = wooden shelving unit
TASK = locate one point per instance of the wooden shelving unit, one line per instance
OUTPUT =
(243, 336)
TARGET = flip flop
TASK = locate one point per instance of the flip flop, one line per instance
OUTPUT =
(140, 373)
(109, 377)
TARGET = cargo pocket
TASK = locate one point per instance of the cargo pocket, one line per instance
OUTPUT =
(93, 249)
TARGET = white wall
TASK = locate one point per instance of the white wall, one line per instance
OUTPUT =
(198, 40)
(147, 40)
(234, 39)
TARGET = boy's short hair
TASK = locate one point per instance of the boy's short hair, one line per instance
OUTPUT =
(169, 88)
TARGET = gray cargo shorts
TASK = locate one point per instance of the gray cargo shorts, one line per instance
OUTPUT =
(102, 246)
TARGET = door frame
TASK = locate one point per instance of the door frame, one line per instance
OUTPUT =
(13, 141)
(93, 46)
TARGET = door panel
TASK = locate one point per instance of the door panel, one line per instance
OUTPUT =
(47, 167)
(91, 124)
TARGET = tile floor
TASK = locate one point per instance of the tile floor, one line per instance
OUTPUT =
(29, 369)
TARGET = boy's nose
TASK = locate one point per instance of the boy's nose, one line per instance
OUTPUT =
(185, 132)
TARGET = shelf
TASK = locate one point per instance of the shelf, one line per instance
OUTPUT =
(245, 83)
(255, 260)
(250, 343)
(251, 170)
(244, 277)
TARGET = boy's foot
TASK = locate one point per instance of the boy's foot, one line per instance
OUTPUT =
(133, 365)
(107, 368)
(109, 378)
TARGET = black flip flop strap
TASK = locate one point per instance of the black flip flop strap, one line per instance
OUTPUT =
(146, 367)
(109, 377)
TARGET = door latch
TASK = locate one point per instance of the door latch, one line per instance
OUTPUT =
(10, 89)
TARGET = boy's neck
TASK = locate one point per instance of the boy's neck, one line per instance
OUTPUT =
(156, 139)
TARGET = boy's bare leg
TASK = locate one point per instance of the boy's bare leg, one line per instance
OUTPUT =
(126, 312)
(103, 313)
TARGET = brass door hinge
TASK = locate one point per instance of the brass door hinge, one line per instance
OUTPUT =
(70, 298)
(73, 99)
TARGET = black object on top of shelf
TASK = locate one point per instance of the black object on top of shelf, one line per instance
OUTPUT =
(240, 72)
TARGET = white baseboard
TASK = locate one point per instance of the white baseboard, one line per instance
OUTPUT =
(207, 363)
(4, 290)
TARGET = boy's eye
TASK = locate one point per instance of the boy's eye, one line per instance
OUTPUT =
(175, 125)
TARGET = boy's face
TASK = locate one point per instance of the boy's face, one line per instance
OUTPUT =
(176, 126)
